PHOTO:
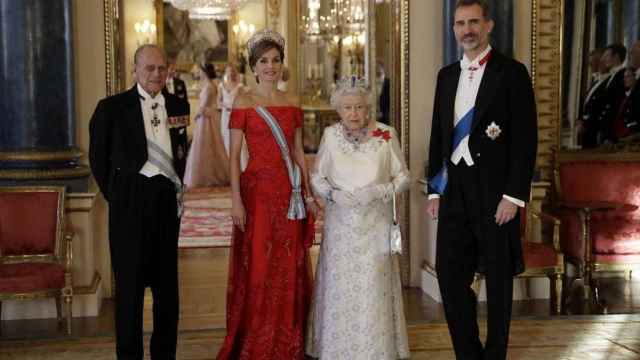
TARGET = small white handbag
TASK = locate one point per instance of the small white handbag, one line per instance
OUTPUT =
(395, 235)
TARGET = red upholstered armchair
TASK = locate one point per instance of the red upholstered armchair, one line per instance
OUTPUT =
(541, 249)
(597, 198)
(35, 252)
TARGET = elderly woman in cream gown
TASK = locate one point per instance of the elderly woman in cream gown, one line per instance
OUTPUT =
(357, 310)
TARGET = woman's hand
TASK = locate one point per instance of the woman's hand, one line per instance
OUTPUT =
(344, 198)
(238, 214)
(208, 112)
(312, 206)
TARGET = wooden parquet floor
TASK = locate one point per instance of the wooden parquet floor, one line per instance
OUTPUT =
(612, 338)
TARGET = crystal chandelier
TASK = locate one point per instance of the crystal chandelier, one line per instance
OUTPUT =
(347, 16)
(343, 18)
(208, 9)
(315, 25)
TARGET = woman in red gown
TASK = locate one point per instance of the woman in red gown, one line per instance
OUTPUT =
(269, 285)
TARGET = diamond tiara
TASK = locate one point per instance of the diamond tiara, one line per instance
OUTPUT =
(348, 85)
(351, 82)
(263, 35)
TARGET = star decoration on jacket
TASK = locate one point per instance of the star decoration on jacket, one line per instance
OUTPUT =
(493, 131)
(384, 134)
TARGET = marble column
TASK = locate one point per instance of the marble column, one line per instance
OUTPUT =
(37, 136)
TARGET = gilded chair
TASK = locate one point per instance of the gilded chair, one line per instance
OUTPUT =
(598, 199)
(35, 249)
(542, 254)
(540, 234)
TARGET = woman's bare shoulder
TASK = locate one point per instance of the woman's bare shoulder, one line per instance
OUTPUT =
(291, 99)
(244, 99)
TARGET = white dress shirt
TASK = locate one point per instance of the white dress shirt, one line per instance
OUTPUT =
(613, 73)
(468, 85)
(471, 73)
(601, 80)
(169, 84)
(157, 133)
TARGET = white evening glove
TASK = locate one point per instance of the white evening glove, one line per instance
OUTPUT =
(365, 195)
(343, 198)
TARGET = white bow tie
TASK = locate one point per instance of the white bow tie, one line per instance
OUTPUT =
(151, 102)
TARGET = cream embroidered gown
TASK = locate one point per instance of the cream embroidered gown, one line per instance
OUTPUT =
(357, 310)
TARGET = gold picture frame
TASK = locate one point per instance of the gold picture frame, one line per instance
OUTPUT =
(546, 71)
(399, 88)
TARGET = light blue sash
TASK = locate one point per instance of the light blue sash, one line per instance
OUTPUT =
(158, 157)
(463, 128)
(296, 204)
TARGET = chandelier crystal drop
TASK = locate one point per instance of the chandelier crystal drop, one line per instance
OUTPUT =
(333, 18)
(208, 9)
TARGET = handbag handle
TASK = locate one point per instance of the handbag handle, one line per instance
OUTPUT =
(395, 216)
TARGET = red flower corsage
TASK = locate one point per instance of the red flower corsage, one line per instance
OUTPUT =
(385, 135)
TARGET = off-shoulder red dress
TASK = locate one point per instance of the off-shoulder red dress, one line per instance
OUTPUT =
(269, 287)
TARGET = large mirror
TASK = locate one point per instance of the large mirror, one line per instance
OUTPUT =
(601, 57)
(364, 38)
(340, 38)
(334, 38)
(369, 38)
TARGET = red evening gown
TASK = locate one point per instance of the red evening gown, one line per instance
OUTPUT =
(269, 286)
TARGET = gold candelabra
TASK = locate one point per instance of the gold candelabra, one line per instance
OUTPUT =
(313, 80)
(242, 31)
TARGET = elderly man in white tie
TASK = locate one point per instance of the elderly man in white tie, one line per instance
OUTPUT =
(175, 85)
(137, 156)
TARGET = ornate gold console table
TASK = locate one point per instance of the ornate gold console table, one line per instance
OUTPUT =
(317, 116)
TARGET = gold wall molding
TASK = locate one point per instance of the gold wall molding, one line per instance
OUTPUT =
(36, 174)
(89, 289)
(293, 54)
(30, 296)
(598, 155)
(159, 7)
(273, 13)
(111, 39)
(402, 7)
(80, 202)
(37, 155)
(546, 71)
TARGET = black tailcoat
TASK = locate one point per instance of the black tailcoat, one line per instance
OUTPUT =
(506, 164)
(143, 221)
(118, 144)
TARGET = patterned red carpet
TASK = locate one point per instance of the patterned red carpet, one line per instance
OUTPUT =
(206, 221)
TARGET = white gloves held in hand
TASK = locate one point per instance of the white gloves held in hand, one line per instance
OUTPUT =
(363, 196)
(343, 198)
